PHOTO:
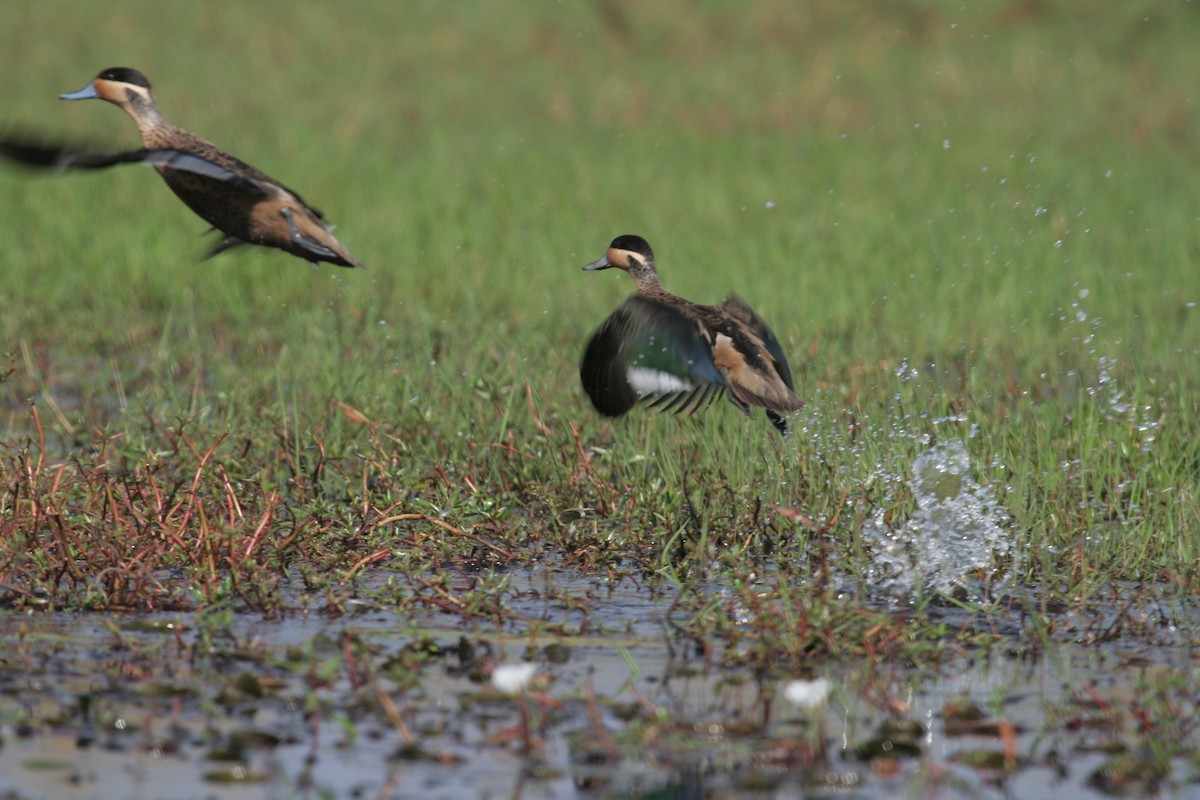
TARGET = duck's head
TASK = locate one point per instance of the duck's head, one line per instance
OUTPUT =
(628, 252)
(120, 85)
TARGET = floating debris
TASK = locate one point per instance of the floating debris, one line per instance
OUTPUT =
(513, 678)
(808, 694)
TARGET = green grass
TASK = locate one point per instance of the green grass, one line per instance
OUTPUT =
(961, 223)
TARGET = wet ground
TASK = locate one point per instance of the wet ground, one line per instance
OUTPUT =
(369, 705)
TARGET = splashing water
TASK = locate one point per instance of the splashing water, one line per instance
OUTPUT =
(956, 528)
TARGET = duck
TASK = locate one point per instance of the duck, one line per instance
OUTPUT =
(680, 355)
(247, 206)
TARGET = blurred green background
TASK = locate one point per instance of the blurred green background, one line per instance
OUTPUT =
(911, 176)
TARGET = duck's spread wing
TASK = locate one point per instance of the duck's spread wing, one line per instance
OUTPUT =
(29, 153)
(735, 307)
(63, 158)
(647, 349)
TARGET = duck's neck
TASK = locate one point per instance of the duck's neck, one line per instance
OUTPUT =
(152, 125)
(646, 278)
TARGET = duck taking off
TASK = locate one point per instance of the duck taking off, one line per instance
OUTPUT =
(679, 354)
(243, 203)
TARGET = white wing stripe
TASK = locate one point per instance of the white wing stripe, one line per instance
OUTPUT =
(645, 380)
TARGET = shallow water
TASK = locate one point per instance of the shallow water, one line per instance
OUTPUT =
(95, 706)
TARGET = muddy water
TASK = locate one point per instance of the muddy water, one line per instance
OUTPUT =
(102, 706)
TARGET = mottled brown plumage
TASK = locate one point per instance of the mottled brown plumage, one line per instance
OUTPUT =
(240, 201)
(681, 354)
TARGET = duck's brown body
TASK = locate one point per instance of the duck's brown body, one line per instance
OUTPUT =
(240, 201)
(682, 354)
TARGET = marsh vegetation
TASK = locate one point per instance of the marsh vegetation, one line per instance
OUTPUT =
(353, 493)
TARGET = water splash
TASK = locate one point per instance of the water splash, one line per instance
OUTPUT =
(958, 527)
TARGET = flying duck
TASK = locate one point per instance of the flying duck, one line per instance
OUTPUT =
(243, 203)
(678, 354)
